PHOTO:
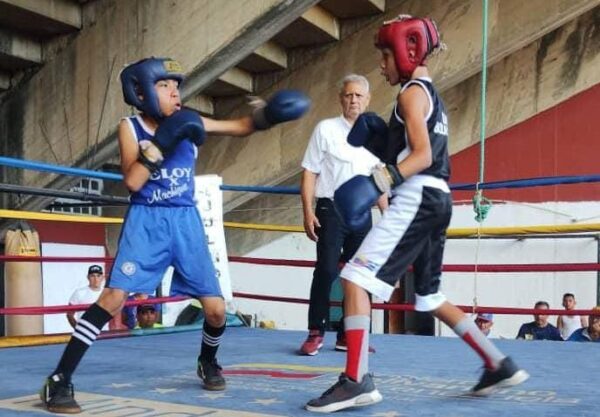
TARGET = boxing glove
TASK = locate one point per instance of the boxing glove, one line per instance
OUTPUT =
(354, 198)
(183, 124)
(353, 201)
(283, 106)
(371, 132)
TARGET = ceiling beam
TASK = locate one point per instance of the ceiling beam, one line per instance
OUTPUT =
(239, 79)
(323, 20)
(64, 12)
(316, 26)
(4, 81)
(266, 58)
(18, 52)
(345, 9)
(204, 104)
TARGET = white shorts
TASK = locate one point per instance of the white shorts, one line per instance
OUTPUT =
(412, 231)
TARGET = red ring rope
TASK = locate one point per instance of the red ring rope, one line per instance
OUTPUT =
(556, 267)
(573, 267)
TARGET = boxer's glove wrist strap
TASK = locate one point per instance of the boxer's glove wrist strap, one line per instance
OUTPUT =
(150, 156)
(387, 177)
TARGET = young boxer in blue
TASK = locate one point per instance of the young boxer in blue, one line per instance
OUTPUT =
(162, 227)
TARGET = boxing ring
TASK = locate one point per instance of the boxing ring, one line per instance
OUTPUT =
(155, 375)
(152, 372)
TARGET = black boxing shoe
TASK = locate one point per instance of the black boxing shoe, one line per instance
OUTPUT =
(211, 375)
(506, 375)
(346, 394)
(58, 396)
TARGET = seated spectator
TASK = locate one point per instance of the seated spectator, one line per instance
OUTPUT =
(539, 328)
(591, 333)
(128, 314)
(485, 322)
(147, 317)
(568, 324)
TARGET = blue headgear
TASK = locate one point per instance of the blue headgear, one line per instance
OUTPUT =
(140, 77)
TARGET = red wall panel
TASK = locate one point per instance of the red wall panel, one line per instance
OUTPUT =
(563, 140)
(72, 233)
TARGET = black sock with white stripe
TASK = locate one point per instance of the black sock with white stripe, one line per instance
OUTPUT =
(211, 339)
(87, 329)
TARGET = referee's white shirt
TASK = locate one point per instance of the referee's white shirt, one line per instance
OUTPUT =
(334, 160)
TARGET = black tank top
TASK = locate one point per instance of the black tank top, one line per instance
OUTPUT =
(437, 125)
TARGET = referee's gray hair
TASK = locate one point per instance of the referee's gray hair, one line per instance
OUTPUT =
(354, 78)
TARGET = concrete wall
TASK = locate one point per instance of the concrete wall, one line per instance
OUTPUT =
(528, 72)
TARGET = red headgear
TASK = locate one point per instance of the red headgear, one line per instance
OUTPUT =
(405, 34)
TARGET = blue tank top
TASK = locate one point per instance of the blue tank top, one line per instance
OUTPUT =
(173, 184)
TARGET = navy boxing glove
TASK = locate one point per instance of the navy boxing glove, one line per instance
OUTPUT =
(354, 199)
(283, 106)
(183, 124)
(371, 132)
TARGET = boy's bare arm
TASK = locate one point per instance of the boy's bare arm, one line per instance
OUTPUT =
(135, 174)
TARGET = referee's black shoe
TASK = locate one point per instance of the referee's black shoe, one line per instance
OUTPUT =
(506, 375)
(58, 395)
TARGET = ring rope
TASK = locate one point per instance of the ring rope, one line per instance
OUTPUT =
(520, 183)
(481, 205)
(507, 268)
(58, 309)
(452, 233)
(34, 215)
(74, 195)
(411, 307)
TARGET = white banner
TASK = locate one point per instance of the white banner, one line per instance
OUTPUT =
(209, 201)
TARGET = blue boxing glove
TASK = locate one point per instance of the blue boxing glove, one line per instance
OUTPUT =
(371, 132)
(283, 106)
(353, 201)
(183, 124)
(354, 198)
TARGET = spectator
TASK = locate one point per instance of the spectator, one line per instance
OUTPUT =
(88, 294)
(147, 317)
(328, 162)
(129, 313)
(485, 322)
(591, 333)
(539, 328)
(568, 324)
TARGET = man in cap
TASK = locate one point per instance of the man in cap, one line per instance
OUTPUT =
(147, 317)
(485, 322)
(88, 294)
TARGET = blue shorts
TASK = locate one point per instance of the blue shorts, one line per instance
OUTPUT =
(154, 238)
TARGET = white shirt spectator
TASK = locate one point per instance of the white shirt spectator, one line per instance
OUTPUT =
(569, 325)
(334, 160)
(85, 295)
